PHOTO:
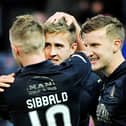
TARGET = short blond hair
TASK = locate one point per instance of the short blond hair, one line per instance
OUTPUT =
(62, 27)
(114, 28)
(27, 33)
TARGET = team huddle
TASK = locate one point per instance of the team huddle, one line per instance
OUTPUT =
(67, 74)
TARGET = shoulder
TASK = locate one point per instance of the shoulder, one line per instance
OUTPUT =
(94, 83)
(79, 56)
(78, 63)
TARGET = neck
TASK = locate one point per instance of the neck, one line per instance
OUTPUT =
(32, 59)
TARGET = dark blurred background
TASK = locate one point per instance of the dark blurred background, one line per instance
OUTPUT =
(42, 9)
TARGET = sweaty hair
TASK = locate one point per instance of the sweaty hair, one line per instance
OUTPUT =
(27, 33)
(114, 28)
(62, 27)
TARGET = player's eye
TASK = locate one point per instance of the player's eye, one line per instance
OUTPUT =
(59, 45)
(86, 45)
(94, 45)
(47, 45)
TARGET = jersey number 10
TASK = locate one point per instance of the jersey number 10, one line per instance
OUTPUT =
(50, 116)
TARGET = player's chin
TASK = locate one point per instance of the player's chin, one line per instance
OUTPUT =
(95, 67)
(56, 62)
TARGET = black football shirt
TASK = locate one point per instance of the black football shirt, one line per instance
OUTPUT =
(44, 94)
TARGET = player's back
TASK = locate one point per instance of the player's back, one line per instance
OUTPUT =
(48, 95)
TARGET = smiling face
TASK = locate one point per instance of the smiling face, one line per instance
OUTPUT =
(58, 47)
(100, 49)
(103, 36)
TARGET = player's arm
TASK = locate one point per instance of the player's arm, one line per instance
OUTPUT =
(6, 81)
(91, 91)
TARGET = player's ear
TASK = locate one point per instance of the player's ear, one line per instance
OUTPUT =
(117, 45)
(16, 50)
(74, 47)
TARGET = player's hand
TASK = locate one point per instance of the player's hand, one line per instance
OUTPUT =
(68, 18)
(6, 81)
(58, 15)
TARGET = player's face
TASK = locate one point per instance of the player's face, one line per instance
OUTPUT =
(100, 50)
(58, 47)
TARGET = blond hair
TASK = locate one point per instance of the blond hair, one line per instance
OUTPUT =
(27, 33)
(62, 27)
(114, 28)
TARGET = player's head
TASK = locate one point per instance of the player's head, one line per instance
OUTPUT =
(26, 37)
(103, 36)
(61, 40)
